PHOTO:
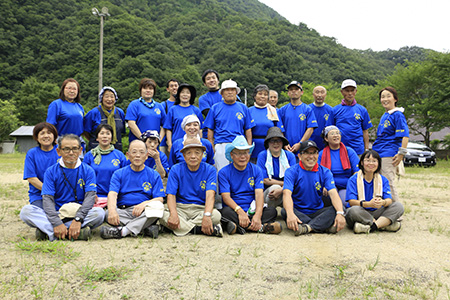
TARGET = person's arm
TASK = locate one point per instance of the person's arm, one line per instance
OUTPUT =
(169, 139)
(336, 201)
(207, 225)
(307, 135)
(244, 220)
(256, 219)
(248, 136)
(366, 138)
(134, 129)
(398, 158)
(159, 167)
(173, 222)
(292, 220)
(162, 133)
(211, 137)
(272, 181)
(34, 181)
(113, 216)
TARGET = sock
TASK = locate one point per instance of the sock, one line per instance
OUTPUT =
(125, 231)
(196, 230)
(373, 227)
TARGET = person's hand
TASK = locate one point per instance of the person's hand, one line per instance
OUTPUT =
(397, 159)
(288, 148)
(255, 224)
(60, 231)
(74, 230)
(154, 154)
(244, 220)
(325, 192)
(207, 225)
(376, 202)
(138, 209)
(275, 194)
(173, 221)
(339, 222)
(295, 147)
(292, 222)
(113, 217)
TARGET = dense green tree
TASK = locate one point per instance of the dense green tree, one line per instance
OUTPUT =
(9, 120)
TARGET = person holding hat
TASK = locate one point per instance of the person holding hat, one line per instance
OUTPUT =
(341, 160)
(323, 113)
(352, 119)
(264, 116)
(184, 106)
(105, 113)
(303, 208)
(241, 187)
(191, 127)
(131, 189)
(156, 160)
(274, 162)
(298, 118)
(190, 207)
(226, 120)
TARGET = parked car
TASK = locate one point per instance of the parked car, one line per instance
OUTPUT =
(419, 154)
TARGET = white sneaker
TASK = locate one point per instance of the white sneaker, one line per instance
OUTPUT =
(361, 228)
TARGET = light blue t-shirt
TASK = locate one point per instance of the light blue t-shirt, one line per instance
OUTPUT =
(66, 116)
(190, 187)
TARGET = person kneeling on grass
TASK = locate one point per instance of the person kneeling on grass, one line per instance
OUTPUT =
(68, 196)
(191, 187)
(241, 184)
(132, 188)
(378, 213)
(303, 208)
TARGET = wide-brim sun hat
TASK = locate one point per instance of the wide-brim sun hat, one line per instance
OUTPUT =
(229, 84)
(192, 142)
(240, 143)
(191, 89)
(275, 132)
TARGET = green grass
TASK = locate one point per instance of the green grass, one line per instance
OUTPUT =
(58, 249)
(12, 163)
(112, 273)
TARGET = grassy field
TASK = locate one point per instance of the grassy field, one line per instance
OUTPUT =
(413, 263)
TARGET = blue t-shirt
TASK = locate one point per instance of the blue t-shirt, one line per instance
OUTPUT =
(190, 187)
(206, 101)
(340, 175)
(261, 163)
(136, 187)
(176, 156)
(228, 121)
(240, 184)
(390, 132)
(166, 106)
(352, 190)
(296, 120)
(262, 124)
(94, 118)
(63, 183)
(352, 121)
(145, 118)
(323, 116)
(307, 187)
(66, 116)
(37, 162)
(104, 171)
(175, 117)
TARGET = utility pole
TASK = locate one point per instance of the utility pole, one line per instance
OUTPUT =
(102, 15)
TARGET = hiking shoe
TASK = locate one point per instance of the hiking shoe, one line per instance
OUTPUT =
(332, 229)
(107, 232)
(302, 229)
(85, 234)
(274, 228)
(218, 231)
(40, 235)
(152, 231)
(361, 228)
(231, 228)
(393, 227)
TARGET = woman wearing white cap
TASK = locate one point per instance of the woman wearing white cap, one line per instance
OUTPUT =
(105, 113)
(191, 127)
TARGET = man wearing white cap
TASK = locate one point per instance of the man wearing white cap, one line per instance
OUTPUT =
(298, 118)
(352, 119)
(191, 188)
(241, 187)
(226, 120)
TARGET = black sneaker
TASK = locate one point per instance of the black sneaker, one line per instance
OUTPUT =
(152, 231)
(231, 228)
(85, 234)
(40, 235)
(218, 231)
(107, 232)
(302, 229)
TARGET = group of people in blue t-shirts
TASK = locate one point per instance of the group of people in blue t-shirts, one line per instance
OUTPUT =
(228, 167)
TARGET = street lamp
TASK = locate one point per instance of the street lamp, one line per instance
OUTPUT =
(101, 14)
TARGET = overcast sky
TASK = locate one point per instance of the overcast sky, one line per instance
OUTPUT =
(378, 25)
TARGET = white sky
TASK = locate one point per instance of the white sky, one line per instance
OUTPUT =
(378, 25)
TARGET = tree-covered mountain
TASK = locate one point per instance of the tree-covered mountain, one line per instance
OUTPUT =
(44, 42)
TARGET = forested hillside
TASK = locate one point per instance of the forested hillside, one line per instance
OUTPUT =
(44, 42)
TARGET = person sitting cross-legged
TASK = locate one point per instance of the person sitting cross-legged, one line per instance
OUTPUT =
(191, 187)
(241, 184)
(132, 188)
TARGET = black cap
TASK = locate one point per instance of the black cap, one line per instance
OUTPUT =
(306, 145)
(296, 83)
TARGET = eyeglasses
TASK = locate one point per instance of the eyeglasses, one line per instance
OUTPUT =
(68, 150)
(275, 141)
(240, 153)
(370, 161)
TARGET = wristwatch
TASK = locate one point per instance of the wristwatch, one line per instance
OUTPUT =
(207, 214)
(340, 212)
(78, 219)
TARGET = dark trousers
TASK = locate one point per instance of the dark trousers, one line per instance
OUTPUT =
(319, 221)
(268, 216)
